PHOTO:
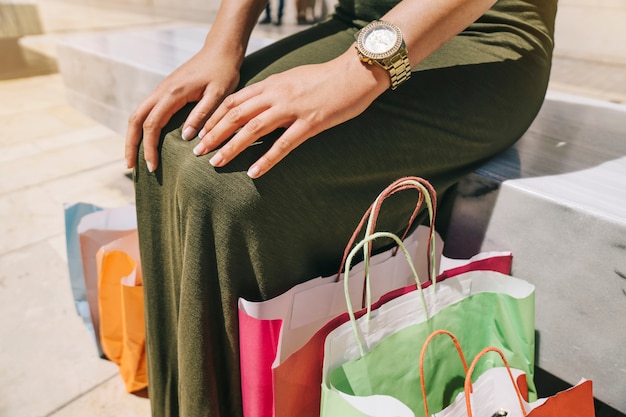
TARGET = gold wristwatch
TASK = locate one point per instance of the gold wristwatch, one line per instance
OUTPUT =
(381, 43)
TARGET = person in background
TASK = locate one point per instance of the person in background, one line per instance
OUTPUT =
(305, 12)
(268, 13)
(251, 172)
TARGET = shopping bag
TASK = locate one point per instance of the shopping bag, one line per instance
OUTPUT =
(121, 308)
(298, 378)
(365, 359)
(278, 382)
(435, 364)
(73, 215)
(95, 230)
(498, 392)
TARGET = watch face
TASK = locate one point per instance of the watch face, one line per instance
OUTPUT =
(379, 40)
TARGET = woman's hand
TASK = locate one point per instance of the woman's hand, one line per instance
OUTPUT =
(204, 79)
(305, 100)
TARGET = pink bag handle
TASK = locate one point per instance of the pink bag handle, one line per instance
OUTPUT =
(423, 354)
(373, 211)
(468, 379)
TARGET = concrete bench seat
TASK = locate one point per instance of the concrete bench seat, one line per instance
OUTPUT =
(557, 199)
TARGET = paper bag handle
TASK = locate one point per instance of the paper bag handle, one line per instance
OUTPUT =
(403, 184)
(468, 379)
(427, 192)
(423, 355)
(346, 287)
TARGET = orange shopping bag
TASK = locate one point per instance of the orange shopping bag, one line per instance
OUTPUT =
(121, 308)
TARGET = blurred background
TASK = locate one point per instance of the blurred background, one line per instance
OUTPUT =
(57, 147)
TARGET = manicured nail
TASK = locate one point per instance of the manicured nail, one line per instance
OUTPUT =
(150, 166)
(199, 149)
(201, 133)
(254, 172)
(216, 160)
(188, 133)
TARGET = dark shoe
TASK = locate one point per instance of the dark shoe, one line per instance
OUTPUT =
(279, 21)
(265, 21)
(304, 21)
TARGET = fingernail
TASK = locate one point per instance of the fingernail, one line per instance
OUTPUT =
(188, 133)
(150, 166)
(201, 133)
(254, 172)
(216, 159)
(198, 149)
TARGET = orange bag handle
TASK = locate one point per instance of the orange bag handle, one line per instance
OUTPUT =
(468, 379)
(423, 355)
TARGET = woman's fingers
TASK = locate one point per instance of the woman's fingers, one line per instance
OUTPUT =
(200, 114)
(145, 125)
(280, 101)
(294, 136)
(266, 121)
(248, 120)
(134, 130)
(230, 107)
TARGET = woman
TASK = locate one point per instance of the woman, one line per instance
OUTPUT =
(252, 173)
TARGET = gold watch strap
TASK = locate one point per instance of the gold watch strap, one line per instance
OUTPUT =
(399, 68)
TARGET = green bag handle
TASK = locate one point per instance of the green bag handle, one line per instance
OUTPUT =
(468, 380)
(423, 355)
(346, 286)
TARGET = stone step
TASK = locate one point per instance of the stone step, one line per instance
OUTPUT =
(19, 18)
(107, 74)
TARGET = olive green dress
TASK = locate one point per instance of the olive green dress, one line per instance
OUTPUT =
(209, 236)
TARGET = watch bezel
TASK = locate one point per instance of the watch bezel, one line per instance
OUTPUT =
(372, 26)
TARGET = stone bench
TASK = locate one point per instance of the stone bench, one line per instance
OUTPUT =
(557, 199)
(19, 18)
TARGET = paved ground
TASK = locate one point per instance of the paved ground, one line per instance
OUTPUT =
(51, 154)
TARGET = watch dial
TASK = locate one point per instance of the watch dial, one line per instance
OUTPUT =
(380, 39)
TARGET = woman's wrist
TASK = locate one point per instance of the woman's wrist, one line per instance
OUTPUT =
(370, 78)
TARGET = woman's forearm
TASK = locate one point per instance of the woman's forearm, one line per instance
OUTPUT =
(232, 27)
(428, 24)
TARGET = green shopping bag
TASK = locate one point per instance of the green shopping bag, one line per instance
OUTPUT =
(371, 365)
